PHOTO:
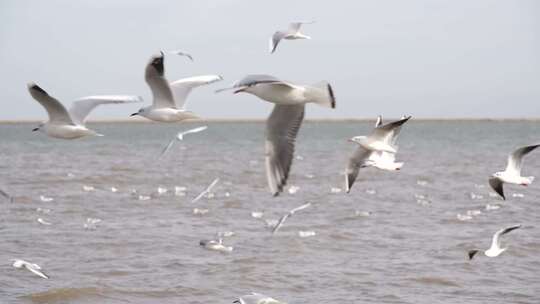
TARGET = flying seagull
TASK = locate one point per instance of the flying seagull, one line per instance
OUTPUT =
(71, 124)
(256, 298)
(6, 196)
(17, 263)
(284, 123)
(169, 104)
(495, 248)
(206, 191)
(382, 136)
(181, 53)
(292, 33)
(512, 173)
(180, 137)
(287, 215)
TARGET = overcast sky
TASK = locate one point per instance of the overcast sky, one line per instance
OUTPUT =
(392, 57)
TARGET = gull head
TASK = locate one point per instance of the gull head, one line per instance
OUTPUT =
(156, 62)
(497, 174)
(141, 112)
(357, 139)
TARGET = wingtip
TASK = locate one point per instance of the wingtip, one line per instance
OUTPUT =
(34, 86)
(332, 97)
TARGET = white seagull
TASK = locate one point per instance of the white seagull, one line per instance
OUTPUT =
(216, 245)
(71, 124)
(17, 263)
(206, 191)
(495, 248)
(286, 215)
(256, 298)
(512, 173)
(292, 33)
(284, 123)
(365, 155)
(169, 104)
(181, 53)
(180, 137)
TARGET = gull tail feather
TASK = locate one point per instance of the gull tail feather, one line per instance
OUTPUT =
(322, 94)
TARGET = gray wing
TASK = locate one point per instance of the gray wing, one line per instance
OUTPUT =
(255, 79)
(82, 107)
(275, 39)
(281, 130)
(56, 111)
(155, 77)
(280, 223)
(515, 159)
(496, 241)
(497, 185)
(356, 161)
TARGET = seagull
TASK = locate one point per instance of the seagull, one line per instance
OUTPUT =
(495, 248)
(17, 263)
(290, 213)
(206, 191)
(284, 123)
(6, 196)
(71, 124)
(365, 155)
(180, 137)
(292, 33)
(512, 173)
(169, 103)
(256, 298)
(216, 245)
(181, 53)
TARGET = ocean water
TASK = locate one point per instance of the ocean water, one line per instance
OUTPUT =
(396, 238)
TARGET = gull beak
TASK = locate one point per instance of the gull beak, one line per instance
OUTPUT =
(351, 140)
(133, 114)
(239, 90)
(35, 129)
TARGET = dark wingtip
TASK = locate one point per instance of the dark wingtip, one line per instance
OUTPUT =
(332, 97)
(472, 253)
(34, 86)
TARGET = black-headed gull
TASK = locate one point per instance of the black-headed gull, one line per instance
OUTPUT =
(495, 248)
(385, 135)
(71, 124)
(169, 99)
(284, 123)
(292, 33)
(34, 268)
(512, 173)
(256, 298)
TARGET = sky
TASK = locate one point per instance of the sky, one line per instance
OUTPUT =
(425, 58)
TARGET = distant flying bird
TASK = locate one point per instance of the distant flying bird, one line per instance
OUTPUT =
(34, 268)
(384, 136)
(181, 53)
(495, 248)
(169, 99)
(512, 173)
(292, 33)
(256, 298)
(287, 215)
(206, 191)
(284, 123)
(71, 124)
(180, 137)
(6, 196)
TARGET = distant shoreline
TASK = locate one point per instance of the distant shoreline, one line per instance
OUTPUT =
(262, 120)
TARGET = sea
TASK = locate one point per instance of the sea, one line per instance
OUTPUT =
(117, 223)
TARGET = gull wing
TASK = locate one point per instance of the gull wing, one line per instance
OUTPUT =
(255, 79)
(181, 53)
(56, 111)
(356, 161)
(82, 107)
(207, 190)
(304, 206)
(155, 78)
(182, 87)
(387, 132)
(275, 39)
(497, 185)
(515, 159)
(496, 241)
(281, 130)
(36, 270)
(379, 121)
(294, 27)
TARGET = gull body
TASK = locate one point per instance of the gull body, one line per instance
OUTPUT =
(292, 33)
(71, 124)
(285, 120)
(512, 173)
(169, 99)
(34, 268)
(495, 249)
(256, 298)
(374, 151)
(216, 245)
